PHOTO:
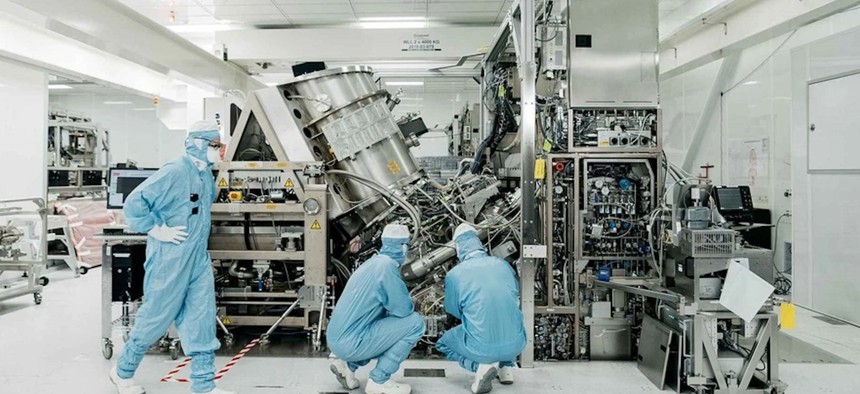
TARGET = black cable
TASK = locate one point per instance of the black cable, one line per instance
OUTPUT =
(782, 283)
(247, 231)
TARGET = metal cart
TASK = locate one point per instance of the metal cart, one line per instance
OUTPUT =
(19, 227)
(125, 321)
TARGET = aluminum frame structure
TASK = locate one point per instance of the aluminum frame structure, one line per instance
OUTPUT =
(93, 161)
(33, 268)
(519, 26)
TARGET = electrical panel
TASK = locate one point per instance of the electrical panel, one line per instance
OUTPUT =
(554, 52)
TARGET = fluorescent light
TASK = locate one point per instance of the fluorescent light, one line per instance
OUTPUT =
(394, 25)
(405, 83)
(144, 109)
(394, 19)
(203, 28)
(751, 83)
(117, 103)
(272, 84)
(59, 87)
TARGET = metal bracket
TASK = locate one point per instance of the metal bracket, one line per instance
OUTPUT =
(504, 250)
(579, 266)
(313, 170)
(534, 251)
(311, 296)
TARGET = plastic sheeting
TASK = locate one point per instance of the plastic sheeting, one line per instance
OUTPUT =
(86, 219)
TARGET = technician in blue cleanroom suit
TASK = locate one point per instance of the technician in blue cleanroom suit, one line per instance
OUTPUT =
(482, 292)
(375, 319)
(173, 206)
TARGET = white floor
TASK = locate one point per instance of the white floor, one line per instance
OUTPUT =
(56, 348)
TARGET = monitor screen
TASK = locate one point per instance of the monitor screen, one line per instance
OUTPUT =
(730, 199)
(123, 181)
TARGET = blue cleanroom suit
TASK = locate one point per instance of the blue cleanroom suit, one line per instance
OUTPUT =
(375, 317)
(179, 286)
(482, 292)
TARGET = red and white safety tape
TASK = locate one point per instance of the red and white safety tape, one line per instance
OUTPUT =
(220, 374)
(175, 370)
(236, 359)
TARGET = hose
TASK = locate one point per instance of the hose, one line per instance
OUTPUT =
(413, 212)
(247, 231)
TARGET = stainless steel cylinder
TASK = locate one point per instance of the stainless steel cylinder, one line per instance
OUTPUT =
(347, 122)
(418, 268)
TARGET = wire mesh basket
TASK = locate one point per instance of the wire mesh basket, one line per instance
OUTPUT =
(708, 243)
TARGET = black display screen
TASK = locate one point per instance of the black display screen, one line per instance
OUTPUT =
(730, 199)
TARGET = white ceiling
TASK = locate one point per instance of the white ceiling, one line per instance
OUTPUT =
(249, 14)
(316, 12)
(669, 6)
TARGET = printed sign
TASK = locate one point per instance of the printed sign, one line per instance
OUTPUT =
(421, 43)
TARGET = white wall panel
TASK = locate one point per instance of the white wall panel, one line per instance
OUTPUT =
(24, 110)
(825, 221)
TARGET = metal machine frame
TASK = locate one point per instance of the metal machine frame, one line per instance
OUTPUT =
(97, 162)
(304, 178)
(34, 283)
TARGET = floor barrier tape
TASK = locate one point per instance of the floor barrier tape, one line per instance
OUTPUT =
(175, 370)
(218, 375)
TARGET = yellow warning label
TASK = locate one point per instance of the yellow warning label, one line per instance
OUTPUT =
(253, 165)
(393, 167)
(540, 169)
(271, 207)
(222, 183)
(788, 316)
(282, 165)
(226, 320)
(547, 146)
(316, 225)
(289, 183)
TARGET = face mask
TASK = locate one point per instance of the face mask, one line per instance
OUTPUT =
(213, 155)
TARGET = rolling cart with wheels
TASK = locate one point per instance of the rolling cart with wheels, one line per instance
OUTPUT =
(23, 246)
(122, 284)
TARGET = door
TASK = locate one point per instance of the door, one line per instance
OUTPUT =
(834, 124)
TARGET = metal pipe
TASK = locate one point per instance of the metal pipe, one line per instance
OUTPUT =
(318, 334)
(424, 265)
(409, 208)
(280, 319)
(668, 297)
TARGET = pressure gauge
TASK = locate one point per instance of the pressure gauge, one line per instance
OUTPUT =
(605, 190)
(311, 206)
(599, 184)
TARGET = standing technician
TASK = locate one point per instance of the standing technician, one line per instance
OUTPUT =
(174, 208)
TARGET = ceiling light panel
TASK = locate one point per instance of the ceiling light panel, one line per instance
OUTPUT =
(323, 18)
(465, 17)
(315, 8)
(400, 9)
(226, 11)
(464, 6)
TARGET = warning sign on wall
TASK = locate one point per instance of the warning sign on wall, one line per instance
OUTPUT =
(222, 183)
(316, 225)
